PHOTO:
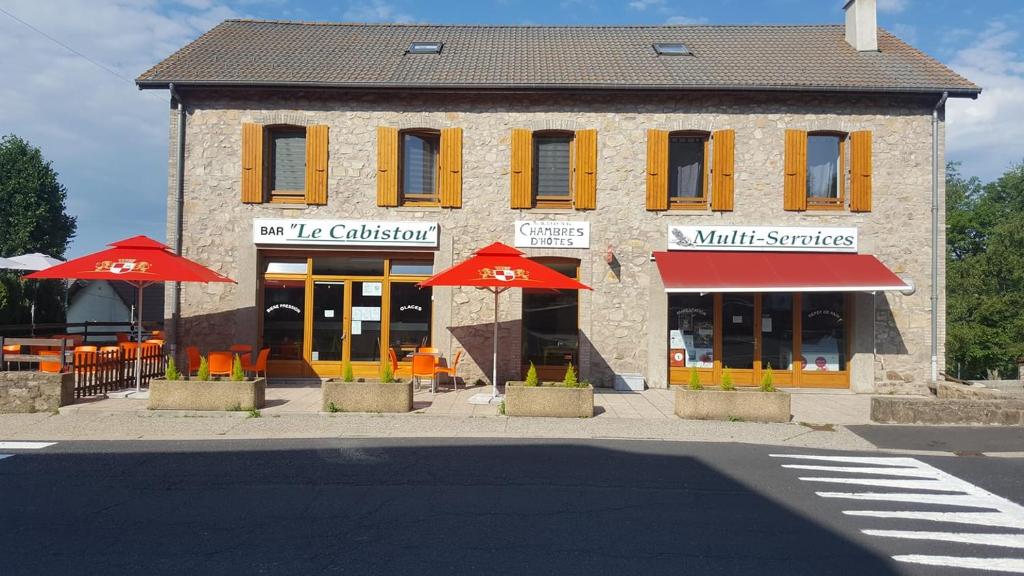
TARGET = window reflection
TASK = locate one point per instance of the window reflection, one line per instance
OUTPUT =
(738, 331)
(777, 331)
(283, 313)
(824, 337)
(691, 324)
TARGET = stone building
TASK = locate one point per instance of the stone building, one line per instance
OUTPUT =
(738, 197)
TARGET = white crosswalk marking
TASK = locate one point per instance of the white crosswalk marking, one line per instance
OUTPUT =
(2, 456)
(921, 483)
(25, 445)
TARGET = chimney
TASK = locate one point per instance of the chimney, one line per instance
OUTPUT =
(862, 25)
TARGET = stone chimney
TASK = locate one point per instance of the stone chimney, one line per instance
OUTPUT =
(862, 25)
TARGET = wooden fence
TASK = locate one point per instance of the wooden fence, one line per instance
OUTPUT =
(87, 331)
(96, 372)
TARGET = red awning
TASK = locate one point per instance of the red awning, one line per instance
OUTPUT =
(705, 271)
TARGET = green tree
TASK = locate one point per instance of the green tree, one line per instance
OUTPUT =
(33, 218)
(984, 273)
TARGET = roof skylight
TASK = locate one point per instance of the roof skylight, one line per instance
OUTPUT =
(425, 48)
(671, 49)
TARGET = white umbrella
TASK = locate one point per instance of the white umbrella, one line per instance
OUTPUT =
(7, 264)
(32, 262)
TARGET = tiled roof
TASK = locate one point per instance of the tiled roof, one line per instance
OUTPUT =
(273, 53)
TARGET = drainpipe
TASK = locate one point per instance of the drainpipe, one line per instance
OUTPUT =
(179, 183)
(935, 237)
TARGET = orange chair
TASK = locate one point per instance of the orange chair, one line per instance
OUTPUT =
(12, 349)
(393, 358)
(423, 367)
(450, 371)
(85, 358)
(194, 358)
(107, 352)
(129, 350)
(428, 350)
(123, 337)
(220, 363)
(260, 365)
(153, 341)
(53, 367)
(244, 352)
(157, 334)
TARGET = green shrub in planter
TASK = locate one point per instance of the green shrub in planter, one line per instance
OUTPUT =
(531, 376)
(727, 380)
(346, 372)
(203, 373)
(695, 380)
(768, 380)
(171, 373)
(570, 380)
(237, 375)
(386, 375)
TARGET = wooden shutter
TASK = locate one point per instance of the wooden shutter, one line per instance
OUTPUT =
(252, 163)
(316, 164)
(387, 166)
(795, 185)
(522, 168)
(585, 170)
(724, 162)
(860, 171)
(657, 169)
(450, 184)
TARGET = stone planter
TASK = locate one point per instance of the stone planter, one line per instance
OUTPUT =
(549, 399)
(746, 405)
(28, 392)
(368, 396)
(207, 394)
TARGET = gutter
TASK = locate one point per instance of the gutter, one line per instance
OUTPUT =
(935, 237)
(179, 184)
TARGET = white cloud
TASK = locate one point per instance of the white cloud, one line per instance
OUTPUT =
(987, 134)
(893, 6)
(642, 5)
(376, 11)
(107, 139)
(686, 20)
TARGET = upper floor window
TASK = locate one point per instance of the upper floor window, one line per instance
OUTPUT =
(552, 167)
(283, 163)
(419, 165)
(688, 169)
(826, 169)
(287, 163)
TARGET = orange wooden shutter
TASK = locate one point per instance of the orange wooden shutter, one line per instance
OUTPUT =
(724, 159)
(795, 185)
(860, 171)
(387, 166)
(522, 168)
(316, 164)
(450, 191)
(657, 169)
(252, 163)
(585, 193)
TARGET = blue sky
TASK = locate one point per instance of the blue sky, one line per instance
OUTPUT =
(69, 89)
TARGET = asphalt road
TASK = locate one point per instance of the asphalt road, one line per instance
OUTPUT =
(430, 506)
(944, 438)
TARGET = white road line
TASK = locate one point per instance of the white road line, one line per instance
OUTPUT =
(1015, 565)
(1004, 540)
(25, 445)
(996, 519)
(921, 480)
(2, 456)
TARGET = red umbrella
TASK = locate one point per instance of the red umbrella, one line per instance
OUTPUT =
(139, 261)
(497, 268)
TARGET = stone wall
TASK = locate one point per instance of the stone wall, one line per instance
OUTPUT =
(26, 391)
(623, 321)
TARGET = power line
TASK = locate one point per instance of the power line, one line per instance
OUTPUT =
(98, 64)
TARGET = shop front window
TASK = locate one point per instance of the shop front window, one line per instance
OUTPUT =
(738, 331)
(328, 309)
(551, 322)
(409, 319)
(365, 328)
(777, 331)
(691, 324)
(283, 315)
(823, 333)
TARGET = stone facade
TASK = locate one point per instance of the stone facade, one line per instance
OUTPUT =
(28, 391)
(623, 322)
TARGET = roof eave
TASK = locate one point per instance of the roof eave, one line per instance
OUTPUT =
(953, 92)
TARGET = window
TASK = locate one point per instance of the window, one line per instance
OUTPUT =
(419, 165)
(552, 167)
(823, 334)
(410, 318)
(671, 49)
(287, 164)
(283, 305)
(551, 324)
(826, 184)
(691, 325)
(687, 164)
(425, 48)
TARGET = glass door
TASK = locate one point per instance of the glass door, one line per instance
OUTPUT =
(551, 325)
(738, 340)
(328, 335)
(365, 321)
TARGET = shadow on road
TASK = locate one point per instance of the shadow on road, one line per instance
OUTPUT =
(400, 507)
